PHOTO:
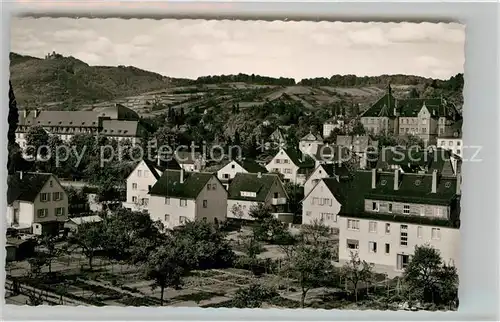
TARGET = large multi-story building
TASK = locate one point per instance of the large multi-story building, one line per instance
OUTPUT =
(117, 122)
(425, 118)
(385, 215)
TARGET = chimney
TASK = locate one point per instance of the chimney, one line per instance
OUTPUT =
(374, 178)
(434, 181)
(459, 183)
(259, 175)
(396, 179)
(181, 180)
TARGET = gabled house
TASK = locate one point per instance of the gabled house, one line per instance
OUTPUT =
(142, 178)
(229, 171)
(362, 146)
(277, 138)
(180, 196)
(382, 116)
(292, 164)
(336, 122)
(36, 202)
(309, 143)
(452, 141)
(323, 203)
(331, 154)
(248, 190)
(323, 171)
(386, 214)
(190, 161)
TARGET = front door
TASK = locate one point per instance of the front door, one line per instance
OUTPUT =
(402, 261)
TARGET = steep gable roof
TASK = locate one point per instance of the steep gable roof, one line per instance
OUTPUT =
(298, 158)
(251, 166)
(169, 185)
(251, 182)
(312, 137)
(383, 107)
(27, 188)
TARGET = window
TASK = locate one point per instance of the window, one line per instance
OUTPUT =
(248, 194)
(352, 244)
(387, 248)
(289, 171)
(145, 201)
(458, 143)
(402, 261)
(328, 217)
(450, 143)
(419, 231)
(146, 173)
(308, 213)
(459, 151)
(424, 122)
(436, 234)
(443, 143)
(372, 226)
(387, 228)
(44, 197)
(167, 200)
(352, 224)
(134, 186)
(139, 173)
(57, 196)
(372, 246)
(225, 175)
(232, 166)
(439, 212)
(403, 235)
(406, 209)
(183, 202)
(375, 206)
(183, 220)
(167, 218)
(390, 207)
(51, 183)
(60, 211)
(42, 213)
(205, 203)
(134, 199)
(277, 161)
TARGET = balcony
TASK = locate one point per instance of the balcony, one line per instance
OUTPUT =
(278, 201)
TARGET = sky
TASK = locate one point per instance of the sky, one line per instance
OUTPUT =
(193, 48)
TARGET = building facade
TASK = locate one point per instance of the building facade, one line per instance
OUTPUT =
(322, 204)
(248, 190)
(116, 122)
(310, 143)
(292, 164)
(387, 214)
(180, 196)
(227, 173)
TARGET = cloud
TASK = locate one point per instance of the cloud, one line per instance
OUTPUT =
(192, 48)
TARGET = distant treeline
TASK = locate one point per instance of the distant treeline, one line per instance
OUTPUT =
(454, 83)
(244, 78)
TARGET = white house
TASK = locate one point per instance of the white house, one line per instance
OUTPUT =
(385, 215)
(323, 203)
(190, 161)
(323, 171)
(140, 181)
(180, 196)
(309, 143)
(292, 164)
(229, 171)
(36, 202)
(452, 141)
(336, 122)
(248, 190)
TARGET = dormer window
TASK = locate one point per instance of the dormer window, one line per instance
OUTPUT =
(248, 194)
